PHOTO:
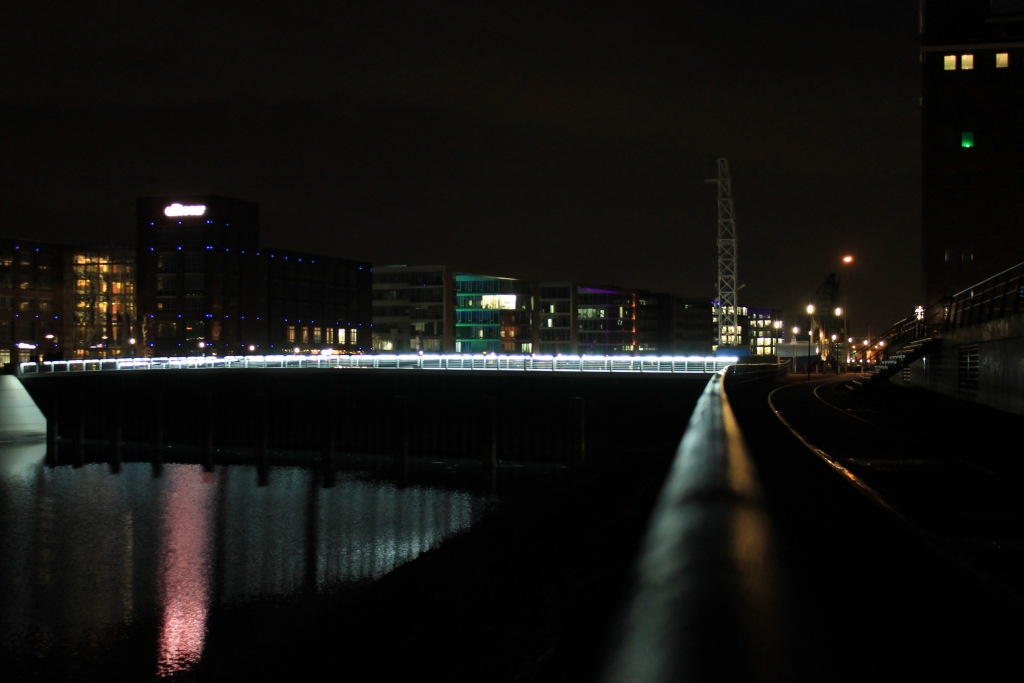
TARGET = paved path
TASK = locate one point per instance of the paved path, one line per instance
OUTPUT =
(899, 521)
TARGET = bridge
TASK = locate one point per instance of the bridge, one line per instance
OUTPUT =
(517, 363)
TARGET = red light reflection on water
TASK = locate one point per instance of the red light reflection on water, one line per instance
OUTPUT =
(185, 568)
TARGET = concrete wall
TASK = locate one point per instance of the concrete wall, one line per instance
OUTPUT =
(1000, 365)
(448, 414)
(20, 418)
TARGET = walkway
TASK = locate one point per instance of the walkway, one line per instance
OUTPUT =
(899, 521)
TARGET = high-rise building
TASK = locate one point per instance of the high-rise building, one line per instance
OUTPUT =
(99, 291)
(972, 62)
(206, 285)
(31, 300)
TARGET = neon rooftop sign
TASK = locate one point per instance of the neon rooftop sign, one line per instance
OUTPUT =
(179, 210)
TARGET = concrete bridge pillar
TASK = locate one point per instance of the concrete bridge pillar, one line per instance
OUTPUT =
(402, 430)
(328, 435)
(490, 456)
(52, 430)
(116, 427)
(158, 429)
(206, 429)
(260, 429)
(80, 429)
(577, 431)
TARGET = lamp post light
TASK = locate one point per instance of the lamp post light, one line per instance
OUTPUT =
(847, 260)
(835, 338)
(810, 332)
(775, 339)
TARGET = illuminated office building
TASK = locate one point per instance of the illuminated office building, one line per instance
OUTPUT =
(764, 329)
(99, 289)
(439, 308)
(31, 299)
(206, 286)
(493, 314)
(585, 320)
(972, 115)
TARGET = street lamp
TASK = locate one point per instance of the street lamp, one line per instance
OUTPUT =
(775, 339)
(847, 260)
(810, 330)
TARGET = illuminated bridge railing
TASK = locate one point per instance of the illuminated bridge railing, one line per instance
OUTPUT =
(608, 364)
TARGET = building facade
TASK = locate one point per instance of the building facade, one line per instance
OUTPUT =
(413, 303)
(764, 330)
(654, 323)
(31, 300)
(101, 317)
(580, 319)
(205, 285)
(442, 309)
(693, 326)
(972, 62)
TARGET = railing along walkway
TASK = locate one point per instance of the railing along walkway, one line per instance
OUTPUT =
(608, 364)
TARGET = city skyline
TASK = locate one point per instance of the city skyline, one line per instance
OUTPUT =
(544, 143)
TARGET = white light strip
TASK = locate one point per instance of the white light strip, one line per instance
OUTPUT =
(609, 364)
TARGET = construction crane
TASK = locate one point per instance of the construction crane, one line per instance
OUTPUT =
(728, 313)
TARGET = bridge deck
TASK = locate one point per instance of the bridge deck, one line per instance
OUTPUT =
(632, 364)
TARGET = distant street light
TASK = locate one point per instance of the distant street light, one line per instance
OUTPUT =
(847, 260)
(810, 330)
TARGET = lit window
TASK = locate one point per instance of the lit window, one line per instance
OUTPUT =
(1002, 60)
(291, 333)
(966, 62)
(949, 62)
(352, 336)
(341, 335)
(967, 139)
(305, 335)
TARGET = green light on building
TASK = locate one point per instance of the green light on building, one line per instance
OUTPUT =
(967, 139)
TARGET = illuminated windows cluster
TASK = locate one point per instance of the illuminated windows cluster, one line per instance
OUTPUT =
(966, 62)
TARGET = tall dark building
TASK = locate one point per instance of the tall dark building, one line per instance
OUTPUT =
(205, 285)
(972, 60)
(32, 313)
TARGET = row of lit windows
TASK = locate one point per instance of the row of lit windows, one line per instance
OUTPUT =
(966, 62)
(325, 335)
(25, 304)
(43, 282)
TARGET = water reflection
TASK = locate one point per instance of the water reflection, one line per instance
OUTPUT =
(185, 568)
(89, 557)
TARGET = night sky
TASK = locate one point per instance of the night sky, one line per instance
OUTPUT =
(564, 141)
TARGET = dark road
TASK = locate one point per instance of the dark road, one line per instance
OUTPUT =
(898, 523)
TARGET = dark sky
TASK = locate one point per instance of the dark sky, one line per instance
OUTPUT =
(561, 141)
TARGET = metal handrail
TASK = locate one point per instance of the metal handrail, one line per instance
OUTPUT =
(995, 297)
(605, 364)
(706, 572)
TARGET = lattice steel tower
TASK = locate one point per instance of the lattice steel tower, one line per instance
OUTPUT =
(727, 311)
